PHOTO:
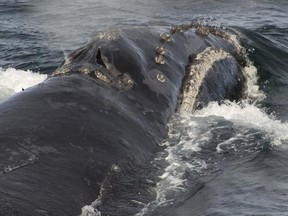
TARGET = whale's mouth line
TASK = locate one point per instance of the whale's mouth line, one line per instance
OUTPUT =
(196, 71)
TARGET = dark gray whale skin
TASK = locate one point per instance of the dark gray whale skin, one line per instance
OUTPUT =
(61, 138)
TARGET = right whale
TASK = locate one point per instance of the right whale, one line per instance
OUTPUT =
(89, 133)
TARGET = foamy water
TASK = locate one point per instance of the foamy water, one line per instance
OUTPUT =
(13, 81)
(189, 133)
(248, 115)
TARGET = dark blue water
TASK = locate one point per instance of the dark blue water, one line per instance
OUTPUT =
(224, 160)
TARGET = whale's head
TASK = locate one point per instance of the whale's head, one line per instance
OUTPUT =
(183, 67)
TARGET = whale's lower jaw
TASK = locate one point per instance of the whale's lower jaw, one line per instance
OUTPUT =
(205, 80)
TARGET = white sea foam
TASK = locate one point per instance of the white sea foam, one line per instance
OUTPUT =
(248, 115)
(253, 92)
(89, 211)
(189, 133)
(13, 80)
(185, 138)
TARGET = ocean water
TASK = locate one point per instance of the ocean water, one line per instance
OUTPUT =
(226, 159)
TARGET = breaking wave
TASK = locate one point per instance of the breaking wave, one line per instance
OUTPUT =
(14, 80)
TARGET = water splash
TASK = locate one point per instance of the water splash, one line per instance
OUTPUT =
(89, 211)
(13, 81)
(250, 116)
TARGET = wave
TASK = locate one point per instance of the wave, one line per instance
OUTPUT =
(248, 115)
(197, 143)
(267, 48)
(13, 80)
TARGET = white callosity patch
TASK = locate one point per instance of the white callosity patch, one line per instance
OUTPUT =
(13, 81)
(195, 75)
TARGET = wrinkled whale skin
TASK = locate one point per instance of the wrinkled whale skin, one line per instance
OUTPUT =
(107, 105)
